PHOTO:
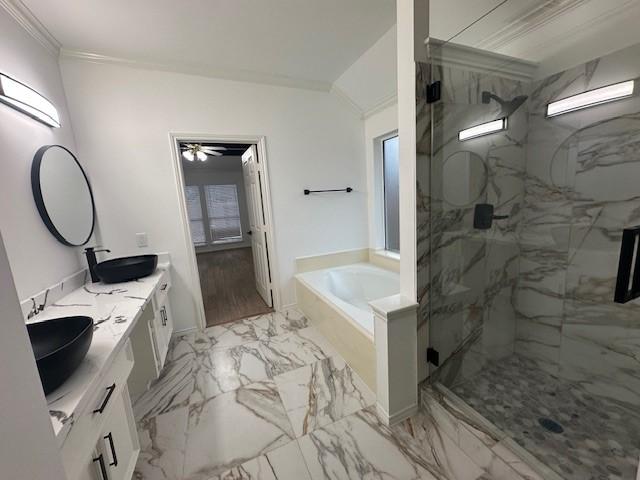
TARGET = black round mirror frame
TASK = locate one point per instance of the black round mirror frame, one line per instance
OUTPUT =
(37, 195)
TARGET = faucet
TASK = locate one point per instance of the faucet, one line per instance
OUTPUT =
(91, 260)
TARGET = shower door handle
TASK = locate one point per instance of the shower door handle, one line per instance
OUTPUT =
(627, 288)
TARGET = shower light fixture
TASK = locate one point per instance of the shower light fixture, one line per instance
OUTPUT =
(483, 129)
(591, 98)
(25, 99)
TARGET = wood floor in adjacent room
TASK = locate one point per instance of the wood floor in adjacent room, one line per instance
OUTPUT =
(229, 286)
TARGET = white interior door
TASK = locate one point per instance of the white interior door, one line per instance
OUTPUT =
(258, 231)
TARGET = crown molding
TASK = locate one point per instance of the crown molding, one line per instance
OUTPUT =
(201, 70)
(31, 24)
(386, 103)
(364, 114)
(611, 16)
(529, 21)
(346, 99)
(460, 56)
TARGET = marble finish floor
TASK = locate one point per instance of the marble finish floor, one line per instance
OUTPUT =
(269, 398)
(600, 438)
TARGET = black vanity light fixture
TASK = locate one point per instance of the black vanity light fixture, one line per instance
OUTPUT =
(26, 100)
(483, 129)
(590, 98)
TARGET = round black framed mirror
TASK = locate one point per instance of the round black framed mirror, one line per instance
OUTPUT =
(63, 195)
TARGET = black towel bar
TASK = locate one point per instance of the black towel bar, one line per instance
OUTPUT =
(347, 190)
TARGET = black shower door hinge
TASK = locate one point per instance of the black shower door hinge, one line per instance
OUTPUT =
(433, 356)
(433, 92)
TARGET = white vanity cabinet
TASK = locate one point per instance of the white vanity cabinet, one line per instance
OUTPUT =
(103, 442)
(162, 321)
(119, 441)
(116, 453)
(151, 338)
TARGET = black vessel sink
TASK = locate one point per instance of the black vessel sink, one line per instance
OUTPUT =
(59, 346)
(126, 268)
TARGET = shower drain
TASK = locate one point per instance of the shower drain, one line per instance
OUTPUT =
(551, 425)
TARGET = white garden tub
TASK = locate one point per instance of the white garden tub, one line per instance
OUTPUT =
(336, 300)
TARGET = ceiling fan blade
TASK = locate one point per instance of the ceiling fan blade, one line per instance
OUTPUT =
(215, 154)
(213, 149)
(212, 152)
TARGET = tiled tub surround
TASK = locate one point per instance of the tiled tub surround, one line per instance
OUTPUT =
(349, 327)
(269, 398)
(115, 309)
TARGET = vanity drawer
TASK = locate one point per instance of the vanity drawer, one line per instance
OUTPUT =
(88, 424)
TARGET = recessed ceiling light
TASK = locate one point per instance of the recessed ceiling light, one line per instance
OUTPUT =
(591, 98)
(25, 99)
(483, 129)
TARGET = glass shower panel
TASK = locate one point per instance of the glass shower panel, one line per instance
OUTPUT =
(519, 236)
(476, 196)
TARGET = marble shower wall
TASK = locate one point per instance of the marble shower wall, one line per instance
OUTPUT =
(467, 277)
(582, 188)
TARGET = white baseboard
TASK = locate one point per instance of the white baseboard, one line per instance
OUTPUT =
(397, 417)
(185, 331)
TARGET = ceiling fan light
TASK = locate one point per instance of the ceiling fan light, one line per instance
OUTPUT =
(201, 156)
(188, 154)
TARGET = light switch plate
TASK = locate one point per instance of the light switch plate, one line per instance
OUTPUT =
(142, 240)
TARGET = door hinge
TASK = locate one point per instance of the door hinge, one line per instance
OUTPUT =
(433, 92)
(433, 356)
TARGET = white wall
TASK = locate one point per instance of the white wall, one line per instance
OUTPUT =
(372, 79)
(29, 449)
(221, 171)
(375, 126)
(37, 259)
(123, 117)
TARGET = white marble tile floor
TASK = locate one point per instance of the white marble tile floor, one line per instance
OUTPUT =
(268, 398)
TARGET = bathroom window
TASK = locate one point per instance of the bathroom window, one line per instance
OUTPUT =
(391, 185)
(196, 219)
(223, 213)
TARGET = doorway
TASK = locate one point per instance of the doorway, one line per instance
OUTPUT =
(228, 224)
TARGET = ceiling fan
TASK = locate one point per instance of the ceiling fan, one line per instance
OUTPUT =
(191, 151)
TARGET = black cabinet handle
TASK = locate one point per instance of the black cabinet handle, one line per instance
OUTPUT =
(113, 450)
(163, 287)
(249, 232)
(106, 399)
(103, 468)
(163, 316)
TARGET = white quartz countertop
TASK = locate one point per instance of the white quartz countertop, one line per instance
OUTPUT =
(115, 309)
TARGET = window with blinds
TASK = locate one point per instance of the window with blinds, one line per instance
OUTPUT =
(223, 213)
(194, 211)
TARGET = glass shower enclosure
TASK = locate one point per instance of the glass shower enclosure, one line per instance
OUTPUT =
(521, 213)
